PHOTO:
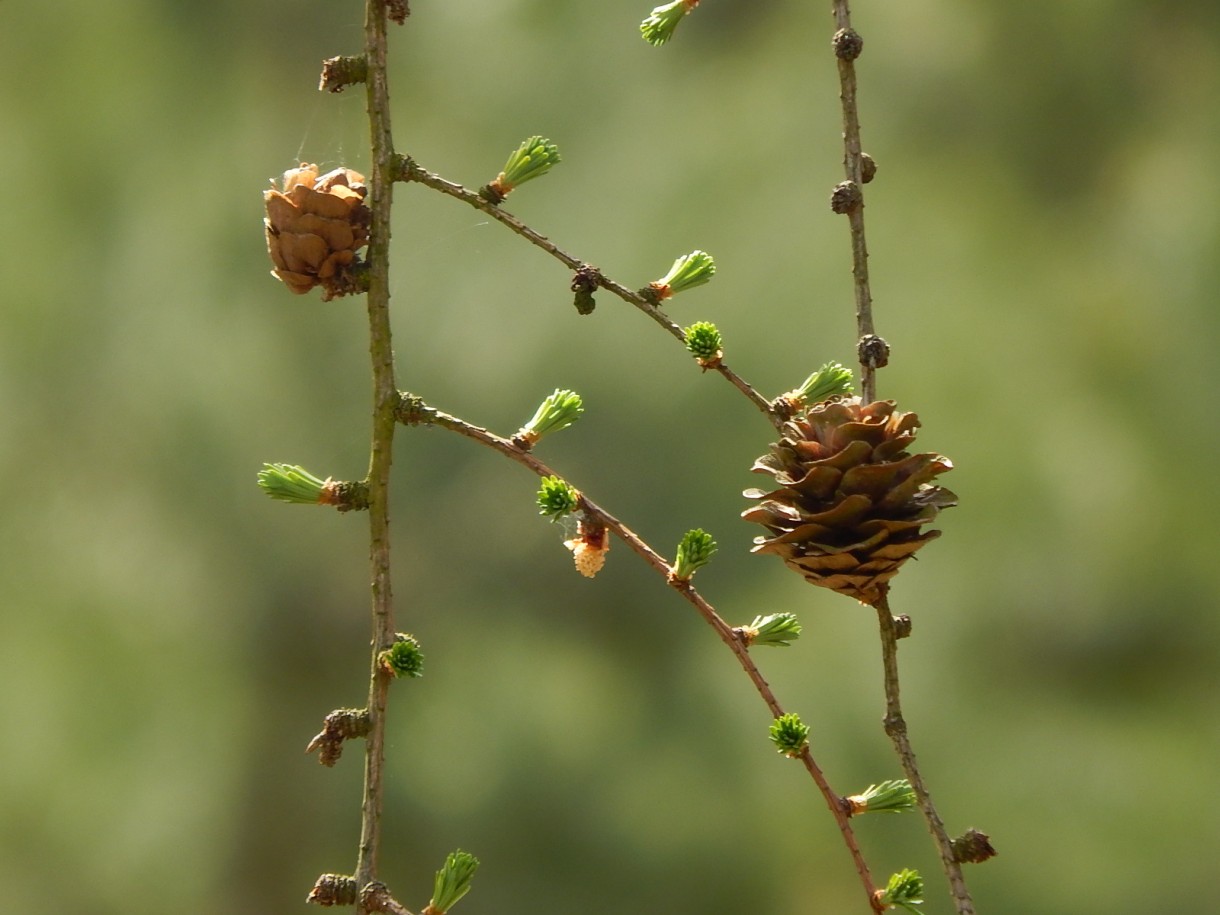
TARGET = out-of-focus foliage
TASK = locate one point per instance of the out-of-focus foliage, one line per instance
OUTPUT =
(1044, 233)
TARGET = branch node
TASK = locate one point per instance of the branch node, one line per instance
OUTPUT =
(973, 847)
(397, 11)
(846, 197)
(347, 495)
(375, 897)
(340, 725)
(333, 889)
(403, 168)
(412, 411)
(785, 407)
(873, 352)
(868, 168)
(895, 725)
(902, 626)
(585, 281)
(340, 72)
(651, 295)
(847, 44)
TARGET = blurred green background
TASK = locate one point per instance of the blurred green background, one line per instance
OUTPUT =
(1045, 248)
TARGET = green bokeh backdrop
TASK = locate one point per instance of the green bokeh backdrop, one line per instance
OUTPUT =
(1045, 248)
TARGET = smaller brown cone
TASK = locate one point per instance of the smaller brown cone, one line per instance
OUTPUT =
(314, 227)
(852, 501)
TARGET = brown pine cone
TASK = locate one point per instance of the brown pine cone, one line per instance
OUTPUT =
(852, 501)
(315, 226)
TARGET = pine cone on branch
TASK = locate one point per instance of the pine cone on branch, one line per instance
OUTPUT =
(315, 226)
(852, 501)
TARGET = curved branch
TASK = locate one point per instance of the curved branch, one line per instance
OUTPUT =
(415, 412)
(408, 170)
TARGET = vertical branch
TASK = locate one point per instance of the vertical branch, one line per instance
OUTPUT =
(384, 400)
(849, 198)
(742, 653)
(896, 728)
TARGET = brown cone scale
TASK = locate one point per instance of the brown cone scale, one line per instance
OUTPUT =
(852, 502)
(315, 226)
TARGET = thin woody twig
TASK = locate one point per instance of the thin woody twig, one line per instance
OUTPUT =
(375, 897)
(896, 728)
(416, 412)
(847, 45)
(409, 170)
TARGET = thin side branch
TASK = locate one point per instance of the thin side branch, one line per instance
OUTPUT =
(409, 170)
(416, 412)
